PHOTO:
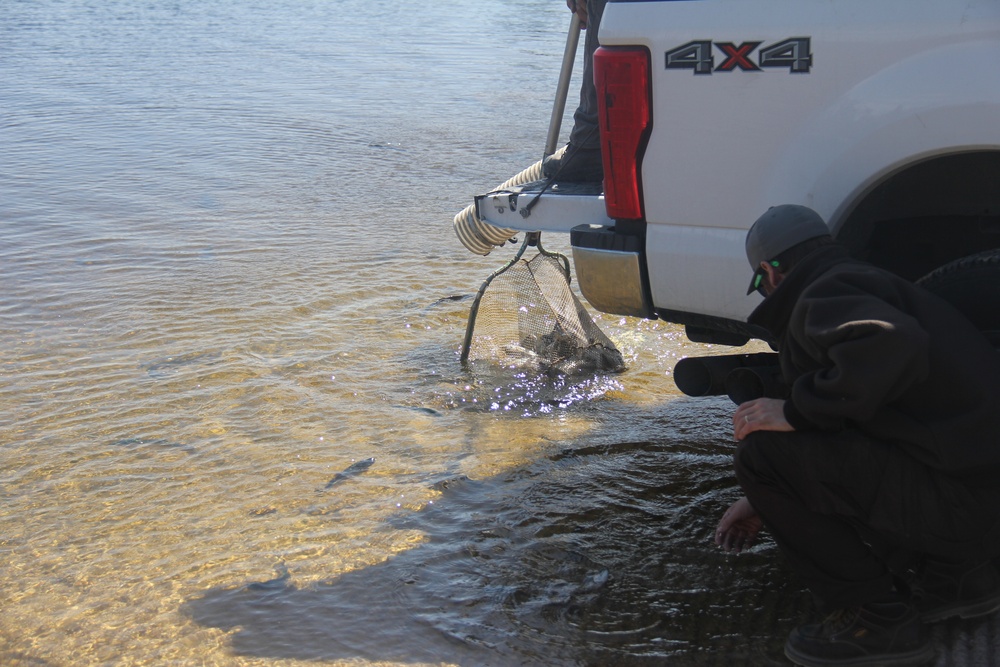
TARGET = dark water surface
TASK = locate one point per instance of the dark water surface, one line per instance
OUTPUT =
(228, 278)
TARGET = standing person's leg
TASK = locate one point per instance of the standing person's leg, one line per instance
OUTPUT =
(584, 134)
(582, 160)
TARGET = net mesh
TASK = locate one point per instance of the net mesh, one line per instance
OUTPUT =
(529, 317)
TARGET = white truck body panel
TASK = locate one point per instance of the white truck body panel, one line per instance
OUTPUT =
(891, 82)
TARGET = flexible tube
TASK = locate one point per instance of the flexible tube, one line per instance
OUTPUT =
(481, 237)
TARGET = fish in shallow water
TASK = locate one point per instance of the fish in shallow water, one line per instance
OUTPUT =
(133, 443)
(416, 408)
(453, 297)
(355, 468)
(278, 583)
(165, 366)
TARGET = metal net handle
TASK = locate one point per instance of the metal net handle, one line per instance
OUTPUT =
(530, 239)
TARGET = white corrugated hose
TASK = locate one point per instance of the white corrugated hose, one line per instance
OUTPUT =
(482, 237)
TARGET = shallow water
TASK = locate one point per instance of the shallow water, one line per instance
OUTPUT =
(228, 274)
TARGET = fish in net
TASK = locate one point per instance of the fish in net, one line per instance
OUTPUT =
(526, 316)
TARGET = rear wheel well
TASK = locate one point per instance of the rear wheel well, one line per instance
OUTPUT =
(928, 214)
(972, 285)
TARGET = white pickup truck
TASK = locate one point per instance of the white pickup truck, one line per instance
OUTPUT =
(882, 115)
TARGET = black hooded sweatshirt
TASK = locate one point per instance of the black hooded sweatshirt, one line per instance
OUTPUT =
(863, 348)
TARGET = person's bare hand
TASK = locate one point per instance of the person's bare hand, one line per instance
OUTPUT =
(760, 414)
(738, 527)
(579, 7)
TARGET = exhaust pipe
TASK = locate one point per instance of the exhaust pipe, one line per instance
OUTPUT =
(742, 377)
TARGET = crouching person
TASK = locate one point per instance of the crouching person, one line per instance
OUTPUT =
(879, 476)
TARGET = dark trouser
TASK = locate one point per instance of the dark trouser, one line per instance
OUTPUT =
(584, 133)
(843, 507)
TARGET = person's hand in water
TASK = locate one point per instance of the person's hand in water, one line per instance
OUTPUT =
(738, 527)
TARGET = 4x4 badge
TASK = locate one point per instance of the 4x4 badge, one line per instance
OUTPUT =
(792, 54)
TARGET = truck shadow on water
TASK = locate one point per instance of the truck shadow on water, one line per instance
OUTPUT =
(597, 555)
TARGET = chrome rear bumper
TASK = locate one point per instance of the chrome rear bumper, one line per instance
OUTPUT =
(609, 270)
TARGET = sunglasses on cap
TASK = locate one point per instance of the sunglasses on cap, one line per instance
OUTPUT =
(758, 278)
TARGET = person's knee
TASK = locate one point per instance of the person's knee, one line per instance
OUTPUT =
(748, 455)
(762, 455)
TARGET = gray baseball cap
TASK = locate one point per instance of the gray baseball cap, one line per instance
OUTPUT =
(779, 229)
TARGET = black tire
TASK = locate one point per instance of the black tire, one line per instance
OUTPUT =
(972, 285)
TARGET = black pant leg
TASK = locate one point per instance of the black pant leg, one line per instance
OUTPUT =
(796, 483)
(829, 498)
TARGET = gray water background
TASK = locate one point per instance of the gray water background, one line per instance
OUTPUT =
(227, 273)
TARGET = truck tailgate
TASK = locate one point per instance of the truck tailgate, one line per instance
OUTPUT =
(531, 207)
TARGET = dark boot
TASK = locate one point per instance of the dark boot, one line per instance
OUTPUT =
(876, 633)
(575, 165)
(943, 590)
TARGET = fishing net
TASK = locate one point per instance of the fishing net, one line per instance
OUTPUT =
(526, 316)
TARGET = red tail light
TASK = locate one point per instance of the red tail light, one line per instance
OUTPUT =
(623, 98)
